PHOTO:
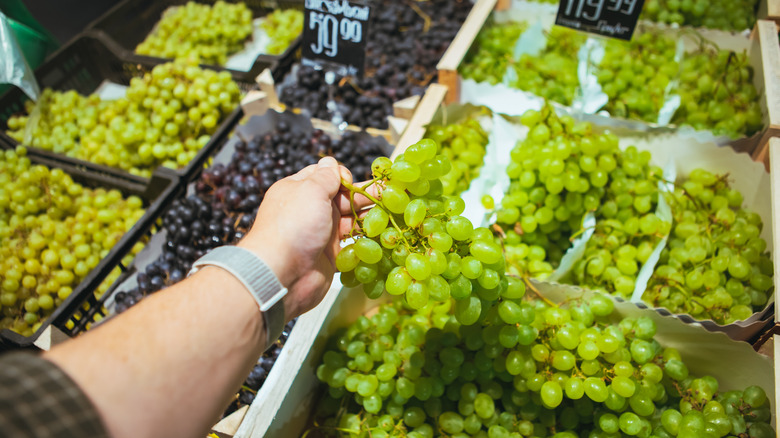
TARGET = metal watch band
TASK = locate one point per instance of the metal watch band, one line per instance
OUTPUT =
(258, 279)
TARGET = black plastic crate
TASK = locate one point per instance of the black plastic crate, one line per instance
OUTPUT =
(156, 194)
(82, 66)
(127, 24)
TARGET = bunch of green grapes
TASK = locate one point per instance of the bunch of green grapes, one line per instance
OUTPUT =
(627, 228)
(721, 14)
(715, 265)
(557, 174)
(283, 26)
(414, 242)
(54, 232)
(529, 369)
(464, 144)
(166, 117)
(553, 73)
(634, 75)
(207, 34)
(488, 59)
(717, 94)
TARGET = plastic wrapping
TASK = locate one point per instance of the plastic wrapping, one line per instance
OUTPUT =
(14, 69)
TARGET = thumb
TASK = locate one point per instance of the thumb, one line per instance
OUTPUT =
(327, 175)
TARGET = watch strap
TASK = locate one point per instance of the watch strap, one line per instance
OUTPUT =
(257, 278)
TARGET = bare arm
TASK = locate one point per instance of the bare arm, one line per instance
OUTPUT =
(168, 366)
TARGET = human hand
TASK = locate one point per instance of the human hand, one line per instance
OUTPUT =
(298, 228)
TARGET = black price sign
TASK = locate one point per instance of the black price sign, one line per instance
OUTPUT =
(335, 34)
(612, 18)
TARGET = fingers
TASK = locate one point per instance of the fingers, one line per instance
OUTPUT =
(360, 201)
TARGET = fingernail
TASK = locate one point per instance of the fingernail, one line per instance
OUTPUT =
(327, 162)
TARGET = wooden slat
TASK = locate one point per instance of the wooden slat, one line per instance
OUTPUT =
(468, 32)
(765, 35)
(430, 103)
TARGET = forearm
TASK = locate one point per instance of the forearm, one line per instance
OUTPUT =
(169, 365)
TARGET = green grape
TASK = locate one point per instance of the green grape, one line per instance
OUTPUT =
(634, 75)
(552, 73)
(282, 26)
(464, 143)
(732, 287)
(139, 132)
(41, 263)
(488, 58)
(206, 33)
(435, 374)
(704, 103)
(735, 15)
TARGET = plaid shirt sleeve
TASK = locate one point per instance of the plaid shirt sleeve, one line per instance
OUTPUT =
(37, 399)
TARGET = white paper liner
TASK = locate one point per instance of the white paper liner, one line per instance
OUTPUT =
(577, 249)
(472, 197)
(253, 47)
(664, 212)
(589, 97)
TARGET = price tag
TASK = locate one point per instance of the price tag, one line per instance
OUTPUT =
(335, 33)
(612, 18)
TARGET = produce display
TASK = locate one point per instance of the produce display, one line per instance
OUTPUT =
(736, 15)
(634, 75)
(627, 227)
(414, 242)
(464, 145)
(208, 34)
(557, 174)
(492, 51)
(165, 118)
(404, 45)
(716, 266)
(553, 73)
(527, 368)
(54, 232)
(283, 26)
(717, 93)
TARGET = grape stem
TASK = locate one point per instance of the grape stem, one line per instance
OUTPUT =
(355, 189)
(530, 285)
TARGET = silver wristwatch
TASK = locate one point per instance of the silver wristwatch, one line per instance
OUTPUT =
(259, 280)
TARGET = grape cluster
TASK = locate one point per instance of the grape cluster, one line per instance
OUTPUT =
(529, 368)
(717, 93)
(634, 75)
(552, 74)
(204, 33)
(715, 265)
(557, 174)
(405, 43)
(627, 228)
(54, 232)
(464, 144)
(283, 26)
(735, 15)
(414, 242)
(226, 198)
(488, 58)
(167, 116)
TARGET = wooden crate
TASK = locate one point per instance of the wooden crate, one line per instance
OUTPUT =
(766, 43)
(769, 10)
(434, 97)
